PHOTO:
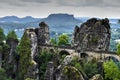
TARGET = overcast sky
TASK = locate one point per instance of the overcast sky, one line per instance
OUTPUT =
(42, 8)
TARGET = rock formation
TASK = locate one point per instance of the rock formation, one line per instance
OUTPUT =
(1, 54)
(49, 71)
(38, 36)
(97, 77)
(43, 33)
(12, 44)
(33, 71)
(34, 42)
(94, 34)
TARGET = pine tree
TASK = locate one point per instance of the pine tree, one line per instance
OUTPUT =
(12, 35)
(24, 51)
(2, 35)
(118, 48)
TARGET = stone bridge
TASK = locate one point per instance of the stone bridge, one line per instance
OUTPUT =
(68, 50)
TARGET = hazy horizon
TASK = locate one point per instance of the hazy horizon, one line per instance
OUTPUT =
(59, 13)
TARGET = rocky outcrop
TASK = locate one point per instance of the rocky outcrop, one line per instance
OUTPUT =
(71, 73)
(33, 71)
(93, 35)
(43, 34)
(66, 72)
(38, 36)
(0, 56)
(12, 44)
(67, 60)
(33, 40)
(49, 71)
(97, 77)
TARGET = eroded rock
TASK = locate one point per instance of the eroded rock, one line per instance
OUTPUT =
(97, 77)
(94, 34)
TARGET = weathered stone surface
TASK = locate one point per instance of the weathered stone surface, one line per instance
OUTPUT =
(43, 34)
(73, 73)
(12, 44)
(97, 77)
(0, 58)
(93, 35)
(38, 36)
(69, 73)
(33, 71)
(34, 42)
(67, 60)
(49, 71)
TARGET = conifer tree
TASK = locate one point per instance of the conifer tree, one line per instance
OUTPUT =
(2, 35)
(12, 35)
(24, 51)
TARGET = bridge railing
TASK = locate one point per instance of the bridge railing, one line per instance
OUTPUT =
(64, 47)
(87, 50)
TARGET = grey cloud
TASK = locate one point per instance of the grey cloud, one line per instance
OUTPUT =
(88, 3)
(112, 3)
(72, 3)
(9, 3)
(37, 1)
(22, 3)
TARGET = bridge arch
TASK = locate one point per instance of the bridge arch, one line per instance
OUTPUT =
(83, 55)
(51, 50)
(64, 52)
(108, 58)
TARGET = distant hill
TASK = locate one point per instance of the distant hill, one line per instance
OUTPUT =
(61, 19)
(57, 22)
(15, 19)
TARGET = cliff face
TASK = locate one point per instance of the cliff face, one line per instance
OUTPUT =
(93, 35)
(13, 45)
(38, 36)
(43, 33)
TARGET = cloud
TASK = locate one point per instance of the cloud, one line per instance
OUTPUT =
(45, 7)
(36, 1)
(22, 3)
(90, 3)
(72, 3)
(111, 3)
(9, 3)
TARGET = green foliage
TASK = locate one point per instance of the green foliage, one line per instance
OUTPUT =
(63, 40)
(29, 79)
(2, 35)
(90, 68)
(94, 39)
(62, 58)
(1, 48)
(24, 51)
(3, 75)
(53, 41)
(111, 70)
(118, 48)
(71, 73)
(44, 57)
(12, 35)
(75, 61)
